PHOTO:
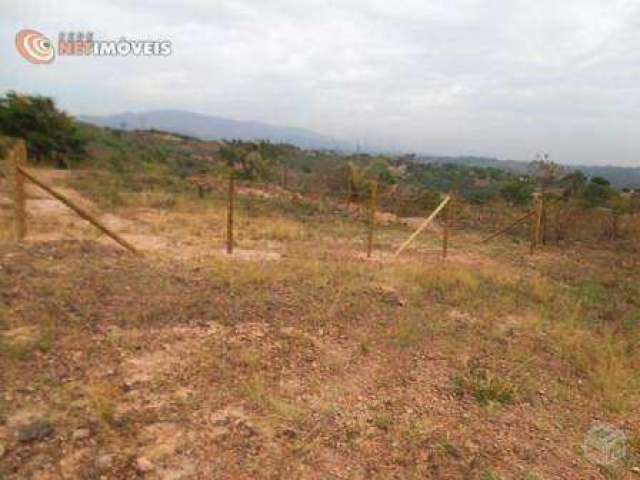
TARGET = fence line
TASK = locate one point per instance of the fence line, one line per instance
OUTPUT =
(18, 157)
(423, 226)
(541, 216)
(508, 227)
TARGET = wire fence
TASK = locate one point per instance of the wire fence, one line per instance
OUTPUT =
(559, 222)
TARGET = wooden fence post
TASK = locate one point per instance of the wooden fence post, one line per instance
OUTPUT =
(447, 226)
(543, 222)
(230, 212)
(532, 232)
(373, 202)
(18, 157)
(614, 225)
(540, 224)
(535, 227)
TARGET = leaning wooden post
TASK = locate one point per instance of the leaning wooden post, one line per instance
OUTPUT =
(80, 211)
(18, 158)
(373, 201)
(424, 225)
(230, 212)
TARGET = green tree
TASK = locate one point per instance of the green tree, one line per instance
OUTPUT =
(50, 134)
(232, 153)
(357, 180)
(545, 171)
(246, 159)
(428, 200)
(379, 171)
(517, 192)
(597, 192)
(574, 184)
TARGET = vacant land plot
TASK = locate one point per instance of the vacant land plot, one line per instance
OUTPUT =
(299, 358)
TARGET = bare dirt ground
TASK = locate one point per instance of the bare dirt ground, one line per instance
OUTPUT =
(295, 358)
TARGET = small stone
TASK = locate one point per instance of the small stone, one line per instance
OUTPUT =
(290, 433)
(71, 464)
(635, 470)
(219, 432)
(3, 449)
(81, 434)
(36, 430)
(144, 465)
(105, 461)
(288, 331)
(185, 471)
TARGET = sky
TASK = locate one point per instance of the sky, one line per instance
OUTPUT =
(503, 78)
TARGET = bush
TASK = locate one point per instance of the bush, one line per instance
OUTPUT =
(597, 192)
(50, 134)
(517, 192)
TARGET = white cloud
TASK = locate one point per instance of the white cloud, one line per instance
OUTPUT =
(494, 77)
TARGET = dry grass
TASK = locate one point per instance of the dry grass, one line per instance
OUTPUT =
(318, 364)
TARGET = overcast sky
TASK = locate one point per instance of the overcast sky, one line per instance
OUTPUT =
(505, 78)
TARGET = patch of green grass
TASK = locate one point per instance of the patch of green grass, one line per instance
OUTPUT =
(490, 475)
(410, 331)
(597, 300)
(105, 189)
(631, 321)
(383, 420)
(4, 318)
(530, 476)
(485, 387)
(102, 399)
(23, 347)
(257, 391)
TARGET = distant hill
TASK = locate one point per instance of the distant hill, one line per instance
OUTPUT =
(209, 127)
(620, 177)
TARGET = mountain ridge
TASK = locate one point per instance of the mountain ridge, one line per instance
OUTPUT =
(212, 127)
